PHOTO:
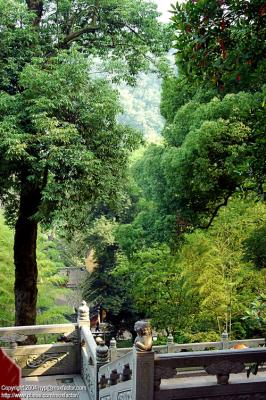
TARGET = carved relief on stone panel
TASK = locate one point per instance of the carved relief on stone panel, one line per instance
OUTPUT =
(125, 395)
(86, 373)
(225, 367)
(45, 360)
(105, 397)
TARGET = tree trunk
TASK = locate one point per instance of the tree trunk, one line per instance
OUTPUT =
(37, 7)
(25, 241)
(25, 257)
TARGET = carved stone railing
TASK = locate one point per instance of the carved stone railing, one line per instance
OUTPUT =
(44, 359)
(117, 378)
(128, 378)
(88, 352)
(88, 363)
(131, 376)
(219, 363)
(171, 347)
(78, 354)
(139, 373)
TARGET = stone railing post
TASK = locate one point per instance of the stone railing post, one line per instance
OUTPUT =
(102, 358)
(84, 315)
(102, 353)
(113, 350)
(143, 385)
(224, 340)
(143, 362)
(170, 344)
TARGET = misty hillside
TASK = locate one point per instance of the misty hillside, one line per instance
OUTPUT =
(142, 106)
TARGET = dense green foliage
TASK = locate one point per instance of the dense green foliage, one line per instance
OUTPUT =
(60, 141)
(204, 285)
(50, 283)
(221, 43)
(216, 147)
(178, 236)
(192, 252)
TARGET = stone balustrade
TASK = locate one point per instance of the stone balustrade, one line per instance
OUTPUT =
(116, 371)
(140, 373)
(130, 377)
(44, 359)
(221, 363)
(182, 347)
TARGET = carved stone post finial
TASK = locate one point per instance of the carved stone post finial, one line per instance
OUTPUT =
(127, 373)
(143, 341)
(170, 344)
(224, 340)
(114, 377)
(170, 339)
(84, 314)
(102, 353)
(113, 350)
(103, 382)
(113, 343)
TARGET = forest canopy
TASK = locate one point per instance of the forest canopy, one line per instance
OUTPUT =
(177, 227)
(191, 250)
(61, 144)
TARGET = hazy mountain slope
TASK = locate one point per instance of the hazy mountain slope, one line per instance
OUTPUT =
(141, 105)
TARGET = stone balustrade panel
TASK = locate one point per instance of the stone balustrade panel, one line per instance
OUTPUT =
(218, 363)
(54, 359)
(44, 359)
(116, 379)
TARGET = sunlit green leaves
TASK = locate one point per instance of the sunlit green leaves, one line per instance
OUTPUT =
(211, 152)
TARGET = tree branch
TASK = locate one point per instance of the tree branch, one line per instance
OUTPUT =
(135, 33)
(92, 27)
(216, 210)
(74, 35)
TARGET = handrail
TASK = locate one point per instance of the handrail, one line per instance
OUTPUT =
(200, 358)
(178, 347)
(217, 362)
(39, 329)
(89, 341)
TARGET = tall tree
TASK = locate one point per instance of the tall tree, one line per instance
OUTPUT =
(215, 111)
(221, 42)
(60, 144)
